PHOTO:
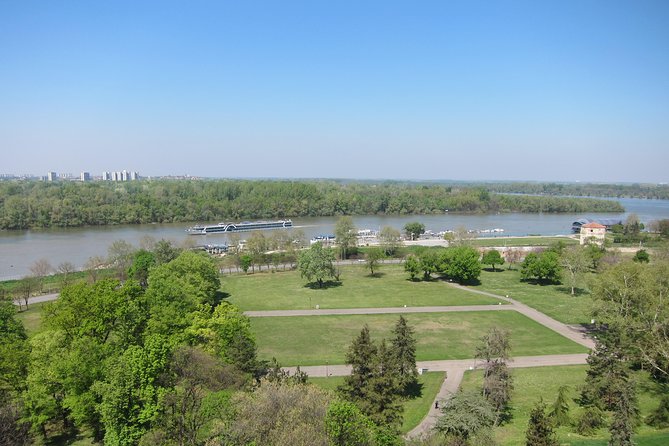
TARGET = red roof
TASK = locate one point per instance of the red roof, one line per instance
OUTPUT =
(593, 225)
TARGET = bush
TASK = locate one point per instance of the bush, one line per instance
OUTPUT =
(589, 421)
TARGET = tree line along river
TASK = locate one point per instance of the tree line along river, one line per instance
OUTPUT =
(20, 249)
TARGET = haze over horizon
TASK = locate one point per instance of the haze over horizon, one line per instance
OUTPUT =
(519, 90)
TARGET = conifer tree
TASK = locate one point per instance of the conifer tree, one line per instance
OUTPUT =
(539, 430)
(560, 410)
(625, 414)
(383, 390)
(404, 352)
(360, 356)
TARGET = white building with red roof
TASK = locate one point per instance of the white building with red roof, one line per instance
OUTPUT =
(593, 233)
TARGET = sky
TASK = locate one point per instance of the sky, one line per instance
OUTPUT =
(463, 90)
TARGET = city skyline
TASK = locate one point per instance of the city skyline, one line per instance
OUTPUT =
(516, 91)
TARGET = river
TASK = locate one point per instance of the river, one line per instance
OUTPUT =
(20, 249)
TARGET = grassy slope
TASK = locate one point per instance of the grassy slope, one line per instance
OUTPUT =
(531, 384)
(288, 291)
(31, 318)
(313, 340)
(414, 409)
(552, 300)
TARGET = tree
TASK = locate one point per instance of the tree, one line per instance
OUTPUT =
(539, 429)
(462, 237)
(513, 256)
(659, 418)
(625, 415)
(119, 257)
(14, 350)
(65, 269)
(465, 414)
(39, 270)
(26, 287)
(412, 266)
(403, 347)
(278, 414)
(245, 262)
(345, 233)
(390, 240)
(414, 230)
(165, 252)
(495, 349)
(641, 256)
(374, 257)
(381, 403)
(196, 397)
(93, 265)
(492, 258)
(429, 263)
(544, 267)
(574, 262)
(131, 395)
(256, 246)
(346, 425)
(630, 298)
(142, 261)
(560, 409)
(316, 263)
(460, 263)
(360, 356)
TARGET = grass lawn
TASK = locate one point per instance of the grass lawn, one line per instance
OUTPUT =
(288, 291)
(531, 384)
(315, 340)
(31, 318)
(414, 409)
(552, 300)
(521, 241)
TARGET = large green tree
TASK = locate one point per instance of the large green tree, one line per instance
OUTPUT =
(460, 263)
(414, 230)
(544, 267)
(466, 414)
(316, 263)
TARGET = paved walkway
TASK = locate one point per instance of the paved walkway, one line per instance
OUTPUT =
(454, 368)
(387, 310)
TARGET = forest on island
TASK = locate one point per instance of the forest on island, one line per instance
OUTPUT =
(26, 205)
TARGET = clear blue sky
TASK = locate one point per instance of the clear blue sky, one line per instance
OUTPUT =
(531, 90)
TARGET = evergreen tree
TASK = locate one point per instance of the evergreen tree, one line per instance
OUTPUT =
(560, 411)
(404, 352)
(660, 416)
(382, 403)
(625, 415)
(539, 430)
(360, 356)
(606, 369)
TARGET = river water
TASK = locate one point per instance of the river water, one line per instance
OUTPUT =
(20, 249)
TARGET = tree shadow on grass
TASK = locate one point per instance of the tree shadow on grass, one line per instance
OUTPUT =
(324, 286)
(496, 270)
(376, 275)
(414, 390)
(577, 291)
(220, 297)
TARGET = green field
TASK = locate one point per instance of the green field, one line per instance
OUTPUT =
(315, 340)
(552, 300)
(521, 241)
(531, 384)
(288, 291)
(415, 409)
(31, 318)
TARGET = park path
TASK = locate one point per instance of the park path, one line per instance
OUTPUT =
(454, 369)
